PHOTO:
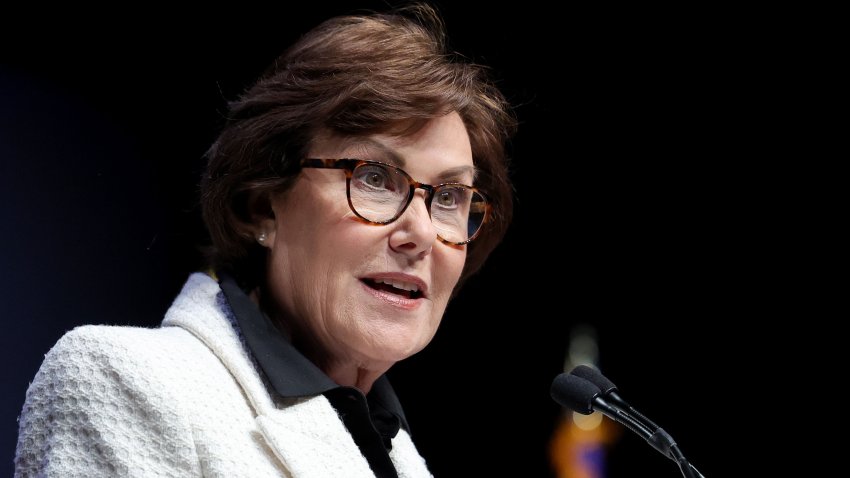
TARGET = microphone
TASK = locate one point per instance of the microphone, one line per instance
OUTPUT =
(609, 391)
(577, 393)
(583, 396)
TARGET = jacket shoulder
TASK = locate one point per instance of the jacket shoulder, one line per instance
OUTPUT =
(98, 392)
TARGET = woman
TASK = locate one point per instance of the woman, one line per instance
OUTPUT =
(353, 189)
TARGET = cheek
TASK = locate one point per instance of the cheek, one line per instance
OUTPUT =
(458, 261)
(449, 267)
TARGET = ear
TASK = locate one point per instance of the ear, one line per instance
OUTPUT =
(262, 222)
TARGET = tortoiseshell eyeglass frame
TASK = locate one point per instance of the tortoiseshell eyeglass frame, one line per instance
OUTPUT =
(349, 165)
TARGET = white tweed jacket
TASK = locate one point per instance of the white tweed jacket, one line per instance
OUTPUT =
(182, 400)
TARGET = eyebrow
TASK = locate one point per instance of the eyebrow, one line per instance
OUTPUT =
(390, 156)
(454, 174)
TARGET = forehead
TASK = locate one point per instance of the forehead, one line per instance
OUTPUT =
(441, 143)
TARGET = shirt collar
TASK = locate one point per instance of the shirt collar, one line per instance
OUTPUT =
(290, 373)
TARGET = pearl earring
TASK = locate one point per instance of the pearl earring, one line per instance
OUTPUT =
(261, 238)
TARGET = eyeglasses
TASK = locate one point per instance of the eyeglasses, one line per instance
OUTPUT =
(379, 194)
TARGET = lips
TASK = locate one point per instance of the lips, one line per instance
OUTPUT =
(403, 285)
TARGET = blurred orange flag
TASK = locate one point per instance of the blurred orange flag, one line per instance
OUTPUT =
(577, 449)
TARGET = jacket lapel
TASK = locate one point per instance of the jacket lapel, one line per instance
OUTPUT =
(311, 440)
(201, 309)
(306, 435)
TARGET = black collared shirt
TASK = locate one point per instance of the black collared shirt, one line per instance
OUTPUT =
(373, 420)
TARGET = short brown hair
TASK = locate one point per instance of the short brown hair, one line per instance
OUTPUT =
(352, 75)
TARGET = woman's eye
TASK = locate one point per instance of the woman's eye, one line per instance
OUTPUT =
(373, 177)
(375, 180)
(446, 199)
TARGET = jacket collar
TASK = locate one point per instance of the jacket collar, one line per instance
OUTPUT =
(306, 434)
(201, 309)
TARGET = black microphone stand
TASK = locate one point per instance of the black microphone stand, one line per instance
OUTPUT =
(688, 470)
(620, 410)
(584, 396)
(654, 435)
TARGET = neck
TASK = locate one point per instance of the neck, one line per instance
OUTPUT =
(355, 376)
(347, 373)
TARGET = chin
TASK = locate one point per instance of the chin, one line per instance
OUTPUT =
(394, 353)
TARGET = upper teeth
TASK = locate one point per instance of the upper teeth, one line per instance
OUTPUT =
(399, 284)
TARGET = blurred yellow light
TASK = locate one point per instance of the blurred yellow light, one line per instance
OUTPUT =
(587, 422)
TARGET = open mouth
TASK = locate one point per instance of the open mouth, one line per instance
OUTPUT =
(408, 291)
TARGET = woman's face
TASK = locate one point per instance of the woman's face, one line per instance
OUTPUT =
(340, 277)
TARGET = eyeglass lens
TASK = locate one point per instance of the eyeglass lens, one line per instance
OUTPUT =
(380, 194)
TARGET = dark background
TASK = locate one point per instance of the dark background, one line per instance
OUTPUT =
(630, 211)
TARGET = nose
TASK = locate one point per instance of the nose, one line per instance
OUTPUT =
(413, 234)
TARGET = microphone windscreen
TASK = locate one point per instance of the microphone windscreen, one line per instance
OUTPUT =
(595, 377)
(574, 393)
